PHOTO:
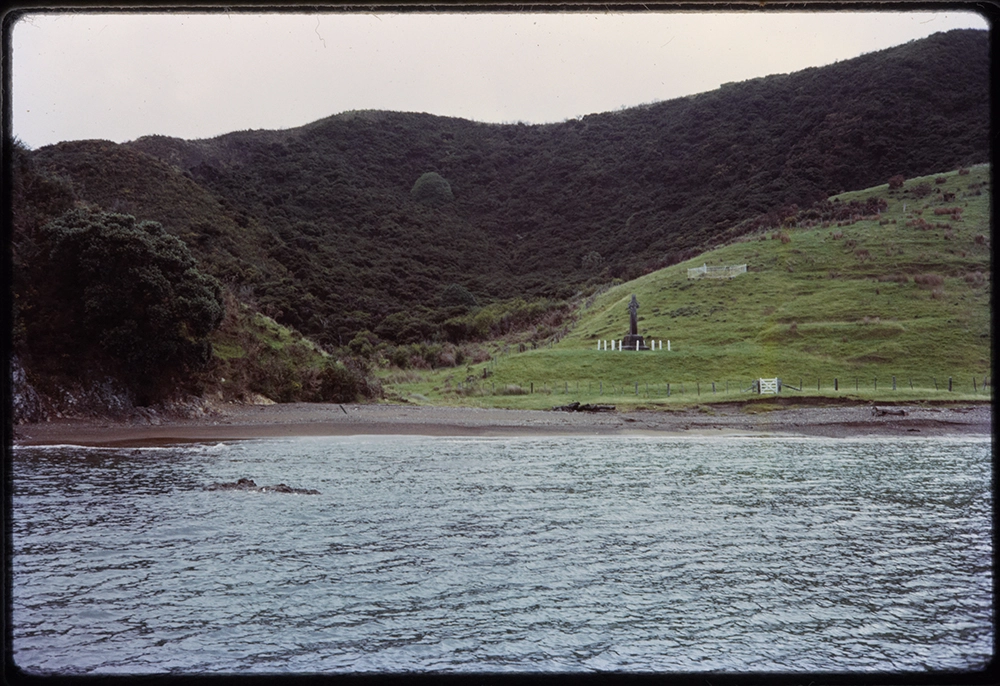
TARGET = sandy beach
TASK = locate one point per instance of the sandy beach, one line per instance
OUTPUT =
(235, 422)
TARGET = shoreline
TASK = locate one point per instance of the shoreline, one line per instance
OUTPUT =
(243, 422)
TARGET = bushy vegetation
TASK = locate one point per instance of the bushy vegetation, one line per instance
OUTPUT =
(254, 355)
(338, 230)
(432, 189)
(337, 212)
(865, 302)
(99, 295)
(123, 291)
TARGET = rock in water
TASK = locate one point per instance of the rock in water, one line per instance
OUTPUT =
(250, 485)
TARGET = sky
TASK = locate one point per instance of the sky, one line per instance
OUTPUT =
(120, 76)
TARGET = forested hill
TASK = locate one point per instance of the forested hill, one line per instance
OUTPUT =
(338, 225)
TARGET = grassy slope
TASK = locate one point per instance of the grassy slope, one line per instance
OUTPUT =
(253, 354)
(813, 307)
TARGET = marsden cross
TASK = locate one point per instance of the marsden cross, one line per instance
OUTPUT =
(633, 311)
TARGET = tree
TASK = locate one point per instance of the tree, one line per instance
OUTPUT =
(129, 292)
(432, 189)
(457, 295)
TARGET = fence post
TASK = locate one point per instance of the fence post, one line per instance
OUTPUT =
(698, 387)
(949, 384)
(876, 383)
(974, 389)
(668, 389)
(836, 386)
(713, 387)
(532, 386)
(893, 383)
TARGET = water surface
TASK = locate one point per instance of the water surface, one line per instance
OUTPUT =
(561, 554)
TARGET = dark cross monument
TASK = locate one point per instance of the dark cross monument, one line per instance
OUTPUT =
(633, 337)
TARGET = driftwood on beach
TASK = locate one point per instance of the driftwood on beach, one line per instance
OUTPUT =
(882, 412)
(577, 407)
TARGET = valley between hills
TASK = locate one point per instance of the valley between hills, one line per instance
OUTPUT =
(422, 260)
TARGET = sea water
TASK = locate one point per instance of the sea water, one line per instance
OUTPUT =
(567, 554)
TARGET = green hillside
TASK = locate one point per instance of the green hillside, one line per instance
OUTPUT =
(544, 211)
(901, 292)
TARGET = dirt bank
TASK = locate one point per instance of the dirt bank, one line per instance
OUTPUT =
(233, 422)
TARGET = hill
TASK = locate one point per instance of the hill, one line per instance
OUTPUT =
(884, 292)
(324, 228)
(417, 241)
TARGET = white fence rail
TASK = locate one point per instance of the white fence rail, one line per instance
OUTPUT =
(727, 272)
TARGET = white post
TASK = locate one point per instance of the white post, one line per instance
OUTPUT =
(598, 345)
(637, 346)
(668, 345)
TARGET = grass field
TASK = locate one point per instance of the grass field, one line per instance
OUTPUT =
(905, 294)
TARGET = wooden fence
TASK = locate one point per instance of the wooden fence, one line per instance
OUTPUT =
(652, 389)
(727, 272)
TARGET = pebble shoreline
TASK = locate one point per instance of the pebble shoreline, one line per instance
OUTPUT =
(234, 422)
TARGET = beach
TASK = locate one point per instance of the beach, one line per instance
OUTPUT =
(225, 422)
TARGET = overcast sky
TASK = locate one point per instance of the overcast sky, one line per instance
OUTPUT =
(122, 76)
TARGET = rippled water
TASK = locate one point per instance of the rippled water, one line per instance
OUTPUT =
(497, 554)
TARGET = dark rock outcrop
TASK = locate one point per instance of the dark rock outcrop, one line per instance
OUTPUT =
(250, 485)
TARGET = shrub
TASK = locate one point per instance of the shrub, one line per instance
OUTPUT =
(922, 190)
(399, 356)
(345, 382)
(432, 189)
(928, 280)
(592, 261)
(363, 343)
(133, 291)
(457, 295)
(896, 181)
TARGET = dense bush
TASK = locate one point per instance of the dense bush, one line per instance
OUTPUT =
(125, 290)
(432, 189)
